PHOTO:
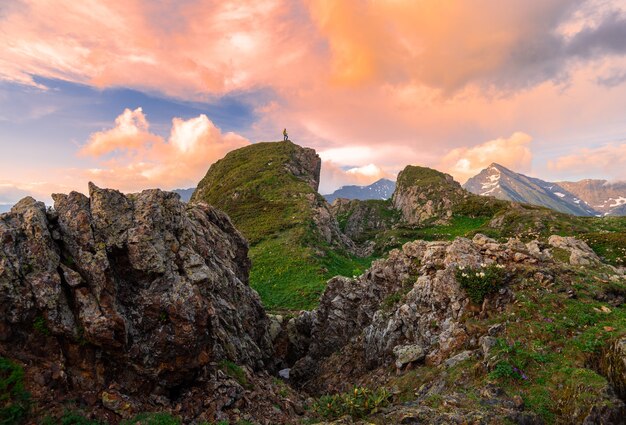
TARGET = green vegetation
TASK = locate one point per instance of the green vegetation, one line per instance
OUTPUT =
(14, 399)
(481, 281)
(479, 206)
(236, 372)
(545, 354)
(413, 175)
(39, 325)
(358, 403)
(290, 275)
(274, 210)
(254, 187)
(610, 246)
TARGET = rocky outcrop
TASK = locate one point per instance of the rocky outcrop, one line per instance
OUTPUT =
(361, 220)
(580, 253)
(410, 301)
(305, 164)
(424, 195)
(128, 301)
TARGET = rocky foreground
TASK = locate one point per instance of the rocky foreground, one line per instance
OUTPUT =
(131, 304)
(120, 304)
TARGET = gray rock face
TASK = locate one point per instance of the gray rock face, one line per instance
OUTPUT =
(306, 165)
(406, 354)
(580, 253)
(141, 291)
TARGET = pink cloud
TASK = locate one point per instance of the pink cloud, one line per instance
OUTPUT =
(513, 152)
(608, 160)
(333, 176)
(408, 81)
(132, 158)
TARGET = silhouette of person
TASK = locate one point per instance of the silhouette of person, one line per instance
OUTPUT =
(285, 137)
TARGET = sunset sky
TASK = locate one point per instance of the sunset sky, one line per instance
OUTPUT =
(136, 94)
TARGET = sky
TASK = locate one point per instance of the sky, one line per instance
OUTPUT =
(138, 94)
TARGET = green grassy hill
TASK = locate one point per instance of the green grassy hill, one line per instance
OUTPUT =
(269, 190)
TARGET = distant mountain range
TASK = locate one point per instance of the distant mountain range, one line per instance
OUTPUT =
(584, 198)
(381, 189)
(606, 198)
(5, 208)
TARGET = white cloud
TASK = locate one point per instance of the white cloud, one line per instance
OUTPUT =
(133, 158)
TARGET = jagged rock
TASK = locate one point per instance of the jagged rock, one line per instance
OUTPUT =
(406, 354)
(139, 292)
(580, 253)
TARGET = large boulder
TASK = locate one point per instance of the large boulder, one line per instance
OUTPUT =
(139, 293)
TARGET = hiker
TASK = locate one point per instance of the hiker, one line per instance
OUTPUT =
(285, 137)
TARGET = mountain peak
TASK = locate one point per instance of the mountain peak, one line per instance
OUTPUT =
(502, 183)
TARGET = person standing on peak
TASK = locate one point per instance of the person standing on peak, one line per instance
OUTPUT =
(285, 137)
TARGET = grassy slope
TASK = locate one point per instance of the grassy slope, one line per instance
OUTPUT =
(552, 339)
(269, 205)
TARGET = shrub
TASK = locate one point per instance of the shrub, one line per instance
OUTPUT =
(358, 403)
(14, 399)
(481, 281)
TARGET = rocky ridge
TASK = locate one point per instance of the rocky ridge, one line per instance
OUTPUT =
(130, 304)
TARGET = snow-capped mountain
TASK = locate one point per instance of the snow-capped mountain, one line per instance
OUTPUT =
(381, 189)
(502, 183)
(608, 198)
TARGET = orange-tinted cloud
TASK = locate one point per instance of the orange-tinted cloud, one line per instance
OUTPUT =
(190, 49)
(608, 160)
(132, 158)
(333, 176)
(513, 152)
(407, 80)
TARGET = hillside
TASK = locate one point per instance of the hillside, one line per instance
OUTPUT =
(381, 190)
(269, 190)
(502, 183)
